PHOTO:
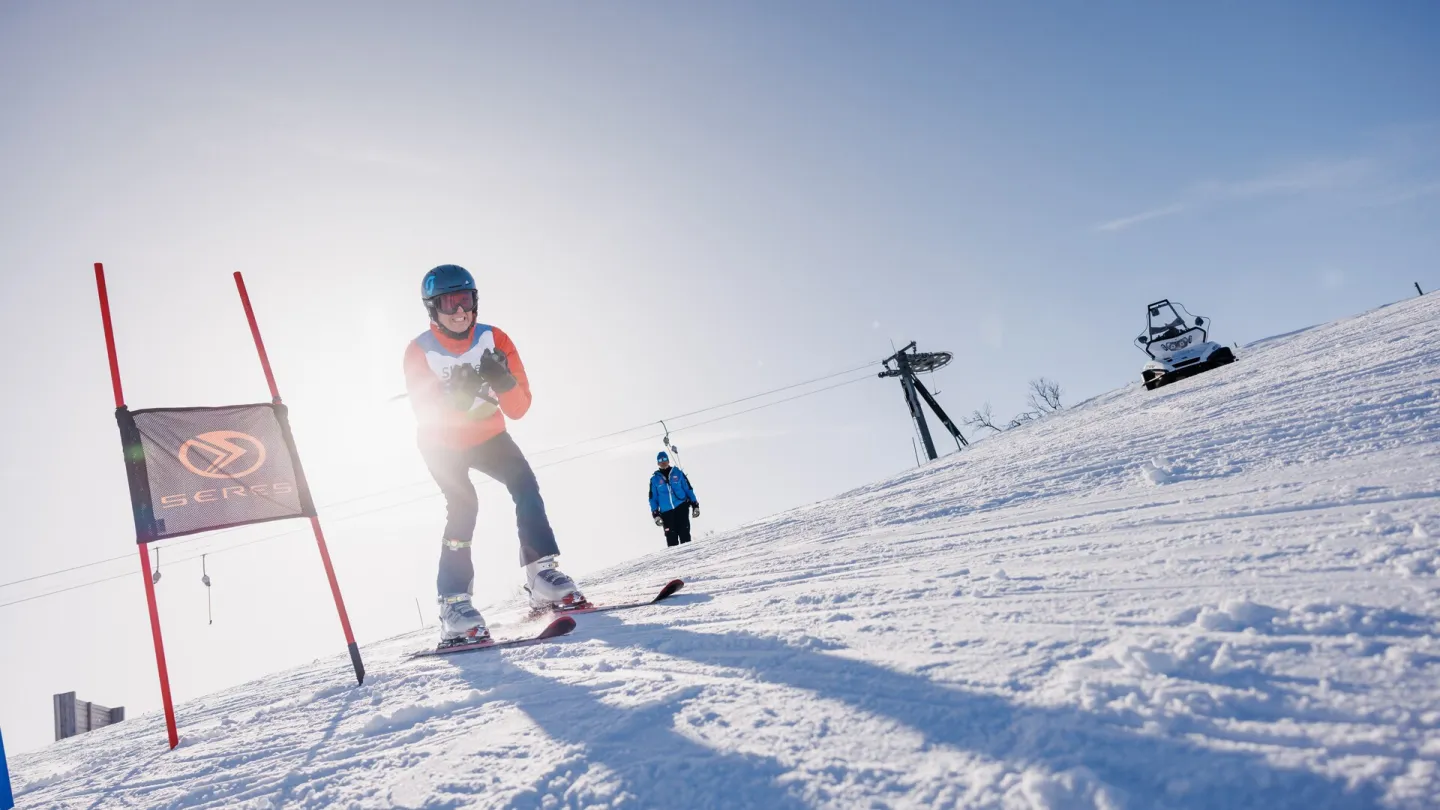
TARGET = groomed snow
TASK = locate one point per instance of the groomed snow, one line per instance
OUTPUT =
(1221, 594)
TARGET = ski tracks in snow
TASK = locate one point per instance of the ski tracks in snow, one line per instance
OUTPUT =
(1223, 593)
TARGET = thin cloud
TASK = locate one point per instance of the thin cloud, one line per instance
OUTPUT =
(1405, 195)
(1126, 222)
(1314, 177)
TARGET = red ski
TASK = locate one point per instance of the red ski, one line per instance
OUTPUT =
(561, 626)
(671, 588)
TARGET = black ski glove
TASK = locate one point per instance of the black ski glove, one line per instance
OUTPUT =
(463, 386)
(695, 510)
(659, 521)
(495, 369)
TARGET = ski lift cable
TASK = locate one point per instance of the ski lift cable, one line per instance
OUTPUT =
(707, 409)
(429, 495)
(369, 496)
(436, 494)
(697, 424)
(776, 402)
(82, 566)
(63, 590)
(547, 450)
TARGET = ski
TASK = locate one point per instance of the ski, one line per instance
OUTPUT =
(562, 625)
(671, 588)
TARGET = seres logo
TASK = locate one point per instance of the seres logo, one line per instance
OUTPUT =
(226, 454)
(222, 454)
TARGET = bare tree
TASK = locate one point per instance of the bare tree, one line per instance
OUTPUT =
(1044, 399)
(982, 417)
(1044, 396)
(1022, 418)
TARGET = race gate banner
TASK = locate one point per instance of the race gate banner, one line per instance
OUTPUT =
(196, 469)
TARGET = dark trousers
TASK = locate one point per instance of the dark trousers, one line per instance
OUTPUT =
(501, 459)
(677, 525)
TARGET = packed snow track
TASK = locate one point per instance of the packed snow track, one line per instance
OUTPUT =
(1219, 594)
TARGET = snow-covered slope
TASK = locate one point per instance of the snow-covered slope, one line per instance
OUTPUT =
(1221, 594)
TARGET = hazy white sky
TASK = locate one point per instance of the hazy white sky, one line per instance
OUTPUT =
(668, 206)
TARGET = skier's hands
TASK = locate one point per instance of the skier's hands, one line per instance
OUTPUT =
(463, 387)
(494, 370)
(695, 511)
(658, 520)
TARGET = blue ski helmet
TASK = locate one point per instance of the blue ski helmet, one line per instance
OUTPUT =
(662, 456)
(444, 279)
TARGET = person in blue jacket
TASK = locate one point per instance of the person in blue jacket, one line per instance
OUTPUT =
(672, 501)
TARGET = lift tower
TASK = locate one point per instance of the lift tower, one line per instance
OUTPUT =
(907, 363)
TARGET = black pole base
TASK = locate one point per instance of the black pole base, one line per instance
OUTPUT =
(359, 665)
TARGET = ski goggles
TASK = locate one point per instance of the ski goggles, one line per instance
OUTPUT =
(452, 302)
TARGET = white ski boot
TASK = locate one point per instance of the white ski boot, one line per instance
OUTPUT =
(460, 622)
(549, 588)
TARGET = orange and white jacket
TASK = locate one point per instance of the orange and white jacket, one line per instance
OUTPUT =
(432, 357)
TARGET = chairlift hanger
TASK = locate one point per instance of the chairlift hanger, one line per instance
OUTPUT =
(205, 580)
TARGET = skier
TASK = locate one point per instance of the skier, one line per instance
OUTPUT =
(670, 494)
(463, 379)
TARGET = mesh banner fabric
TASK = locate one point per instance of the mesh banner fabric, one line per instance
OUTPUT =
(196, 469)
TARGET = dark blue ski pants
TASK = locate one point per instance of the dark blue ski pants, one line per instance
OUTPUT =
(501, 459)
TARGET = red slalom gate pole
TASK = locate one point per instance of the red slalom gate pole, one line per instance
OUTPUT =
(170, 729)
(109, 335)
(144, 549)
(314, 521)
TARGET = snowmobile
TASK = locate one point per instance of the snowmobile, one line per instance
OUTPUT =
(1178, 346)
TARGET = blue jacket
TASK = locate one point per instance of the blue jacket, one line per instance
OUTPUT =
(673, 493)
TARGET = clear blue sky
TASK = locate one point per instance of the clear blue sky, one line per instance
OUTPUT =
(668, 205)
